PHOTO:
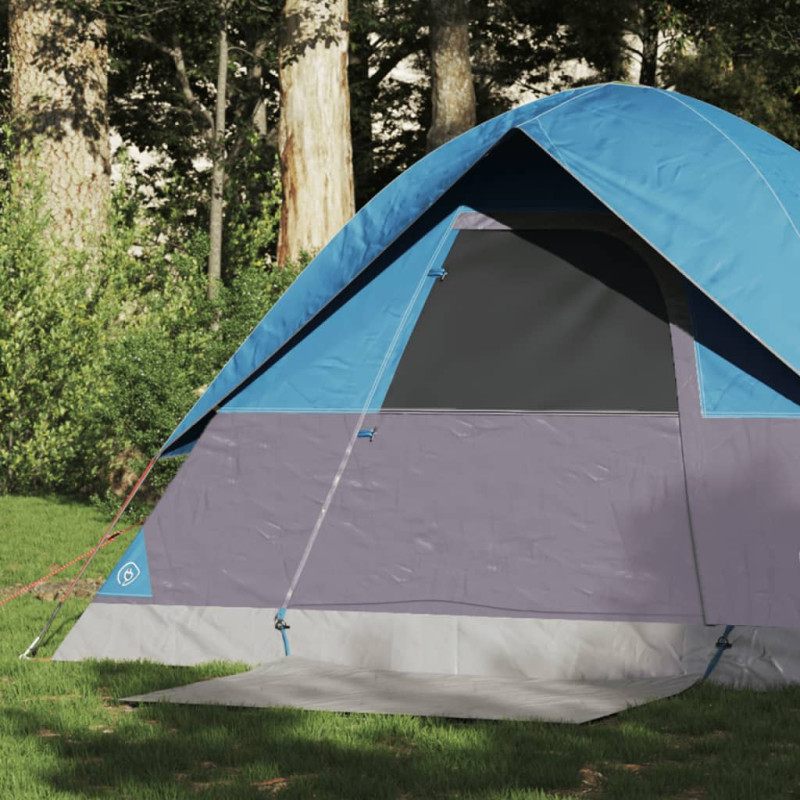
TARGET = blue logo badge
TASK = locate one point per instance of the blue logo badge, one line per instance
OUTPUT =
(131, 576)
(128, 573)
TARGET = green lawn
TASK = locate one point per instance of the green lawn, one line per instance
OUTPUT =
(63, 735)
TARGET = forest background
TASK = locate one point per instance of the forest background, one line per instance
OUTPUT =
(168, 166)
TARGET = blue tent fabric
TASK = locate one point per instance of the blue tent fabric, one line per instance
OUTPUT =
(131, 576)
(332, 367)
(362, 240)
(713, 194)
(736, 377)
(351, 346)
(681, 174)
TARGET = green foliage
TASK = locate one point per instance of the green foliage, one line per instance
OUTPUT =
(102, 352)
(743, 59)
(388, 115)
(149, 105)
(745, 90)
(47, 337)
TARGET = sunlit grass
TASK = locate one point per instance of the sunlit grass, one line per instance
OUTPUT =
(62, 735)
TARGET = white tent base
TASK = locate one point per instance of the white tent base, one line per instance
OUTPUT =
(494, 648)
(314, 685)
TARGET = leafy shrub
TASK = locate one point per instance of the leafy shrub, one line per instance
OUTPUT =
(103, 351)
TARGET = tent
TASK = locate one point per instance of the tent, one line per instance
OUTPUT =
(531, 415)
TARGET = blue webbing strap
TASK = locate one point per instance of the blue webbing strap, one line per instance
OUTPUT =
(282, 625)
(722, 645)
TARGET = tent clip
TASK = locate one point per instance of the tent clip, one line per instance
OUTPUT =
(722, 644)
(282, 626)
(367, 433)
(441, 274)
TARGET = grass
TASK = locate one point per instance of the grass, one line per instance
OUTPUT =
(62, 735)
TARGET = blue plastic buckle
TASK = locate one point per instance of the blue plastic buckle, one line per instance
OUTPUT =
(721, 646)
(441, 274)
(367, 433)
(282, 625)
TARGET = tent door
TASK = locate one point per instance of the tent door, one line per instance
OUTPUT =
(527, 457)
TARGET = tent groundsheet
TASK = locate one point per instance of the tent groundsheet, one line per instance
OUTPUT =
(314, 685)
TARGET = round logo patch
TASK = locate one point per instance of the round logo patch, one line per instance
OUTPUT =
(128, 573)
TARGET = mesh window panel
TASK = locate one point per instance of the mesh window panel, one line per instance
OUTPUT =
(540, 320)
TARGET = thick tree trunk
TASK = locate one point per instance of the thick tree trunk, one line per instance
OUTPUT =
(59, 83)
(648, 73)
(452, 89)
(218, 157)
(314, 131)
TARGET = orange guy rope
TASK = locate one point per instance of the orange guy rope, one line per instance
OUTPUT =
(110, 538)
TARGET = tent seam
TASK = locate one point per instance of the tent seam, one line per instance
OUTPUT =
(700, 378)
(566, 102)
(744, 154)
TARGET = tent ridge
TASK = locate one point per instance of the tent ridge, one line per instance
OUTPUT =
(744, 155)
(576, 96)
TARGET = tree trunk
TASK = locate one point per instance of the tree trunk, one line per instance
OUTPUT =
(218, 156)
(314, 130)
(257, 88)
(452, 90)
(361, 97)
(648, 73)
(59, 86)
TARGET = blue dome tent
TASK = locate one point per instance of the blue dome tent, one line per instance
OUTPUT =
(531, 415)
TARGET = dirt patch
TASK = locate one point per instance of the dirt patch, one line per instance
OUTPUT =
(275, 785)
(53, 591)
(401, 748)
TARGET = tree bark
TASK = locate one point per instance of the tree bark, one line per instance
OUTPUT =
(361, 98)
(256, 75)
(648, 72)
(59, 87)
(218, 160)
(314, 129)
(452, 89)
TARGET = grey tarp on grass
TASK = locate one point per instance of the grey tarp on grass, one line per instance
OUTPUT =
(302, 683)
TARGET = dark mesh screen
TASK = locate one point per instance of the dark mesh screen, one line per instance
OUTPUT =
(564, 320)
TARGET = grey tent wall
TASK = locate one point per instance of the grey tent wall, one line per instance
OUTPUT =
(561, 515)
(743, 484)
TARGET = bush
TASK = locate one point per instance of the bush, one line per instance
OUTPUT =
(103, 351)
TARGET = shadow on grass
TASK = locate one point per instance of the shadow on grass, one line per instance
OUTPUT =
(708, 743)
(176, 751)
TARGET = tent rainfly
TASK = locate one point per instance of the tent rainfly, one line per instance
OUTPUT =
(532, 415)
